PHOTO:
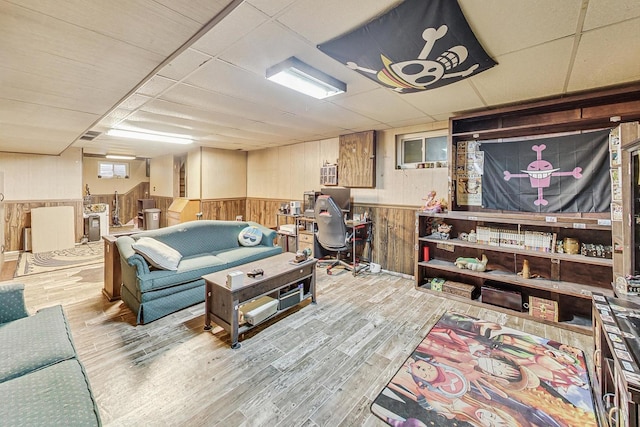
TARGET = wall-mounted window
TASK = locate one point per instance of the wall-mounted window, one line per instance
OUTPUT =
(421, 150)
(113, 170)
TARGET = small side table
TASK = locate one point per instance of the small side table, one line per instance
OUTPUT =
(112, 271)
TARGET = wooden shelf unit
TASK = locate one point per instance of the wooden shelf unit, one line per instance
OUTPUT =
(568, 279)
(617, 379)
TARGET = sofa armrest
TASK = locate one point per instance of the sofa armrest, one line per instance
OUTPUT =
(133, 259)
(12, 305)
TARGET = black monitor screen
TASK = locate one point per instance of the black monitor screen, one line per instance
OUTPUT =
(340, 195)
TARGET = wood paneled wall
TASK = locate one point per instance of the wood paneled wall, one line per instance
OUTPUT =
(128, 202)
(224, 209)
(393, 238)
(263, 211)
(163, 204)
(393, 230)
(18, 216)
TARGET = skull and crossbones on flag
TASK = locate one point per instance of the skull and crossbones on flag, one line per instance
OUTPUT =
(419, 45)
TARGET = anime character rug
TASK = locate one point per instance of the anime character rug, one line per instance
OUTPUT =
(469, 372)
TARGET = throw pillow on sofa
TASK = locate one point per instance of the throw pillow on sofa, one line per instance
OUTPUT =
(250, 236)
(157, 253)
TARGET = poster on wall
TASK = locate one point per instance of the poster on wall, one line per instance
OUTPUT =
(469, 167)
(568, 173)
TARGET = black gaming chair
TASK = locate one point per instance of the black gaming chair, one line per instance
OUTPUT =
(332, 231)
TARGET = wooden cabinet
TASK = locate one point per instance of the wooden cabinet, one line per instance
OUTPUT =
(617, 375)
(357, 162)
(182, 210)
(566, 279)
(306, 240)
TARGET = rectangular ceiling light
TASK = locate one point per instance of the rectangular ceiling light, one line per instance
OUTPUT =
(119, 157)
(303, 78)
(173, 139)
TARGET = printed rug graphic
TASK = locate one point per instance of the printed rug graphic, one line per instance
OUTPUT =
(470, 372)
(43, 262)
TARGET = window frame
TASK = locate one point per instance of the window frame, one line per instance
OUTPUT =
(425, 162)
(114, 167)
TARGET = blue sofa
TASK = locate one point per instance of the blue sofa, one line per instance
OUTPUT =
(205, 247)
(42, 382)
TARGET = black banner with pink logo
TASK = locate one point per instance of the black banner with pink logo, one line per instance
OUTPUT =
(419, 45)
(560, 174)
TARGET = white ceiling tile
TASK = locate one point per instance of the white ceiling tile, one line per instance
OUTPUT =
(318, 22)
(380, 104)
(155, 86)
(240, 22)
(185, 64)
(270, 7)
(268, 45)
(603, 12)
(456, 97)
(198, 10)
(603, 60)
(537, 72)
(504, 26)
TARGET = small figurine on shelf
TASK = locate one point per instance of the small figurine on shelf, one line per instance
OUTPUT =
(431, 204)
(442, 230)
(473, 264)
(472, 237)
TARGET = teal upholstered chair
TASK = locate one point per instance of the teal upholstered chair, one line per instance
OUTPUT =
(12, 303)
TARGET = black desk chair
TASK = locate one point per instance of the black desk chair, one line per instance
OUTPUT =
(332, 232)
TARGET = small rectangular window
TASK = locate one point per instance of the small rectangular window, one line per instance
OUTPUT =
(113, 170)
(419, 150)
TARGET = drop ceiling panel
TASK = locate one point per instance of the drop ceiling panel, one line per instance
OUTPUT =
(155, 86)
(603, 60)
(240, 22)
(381, 104)
(169, 109)
(602, 12)
(322, 21)
(185, 64)
(270, 7)
(201, 11)
(537, 72)
(459, 96)
(268, 45)
(162, 33)
(504, 26)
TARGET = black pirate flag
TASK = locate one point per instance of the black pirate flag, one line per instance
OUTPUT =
(419, 45)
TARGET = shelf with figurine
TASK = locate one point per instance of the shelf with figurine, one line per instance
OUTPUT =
(534, 260)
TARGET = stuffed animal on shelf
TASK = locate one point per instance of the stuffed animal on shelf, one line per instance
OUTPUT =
(442, 231)
(431, 204)
(473, 264)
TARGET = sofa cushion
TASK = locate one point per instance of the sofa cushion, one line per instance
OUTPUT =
(190, 269)
(250, 236)
(33, 342)
(243, 255)
(58, 395)
(157, 253)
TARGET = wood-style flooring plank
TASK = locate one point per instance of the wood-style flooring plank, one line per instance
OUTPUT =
(318, 365)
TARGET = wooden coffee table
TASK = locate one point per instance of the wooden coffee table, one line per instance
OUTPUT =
(222, 304)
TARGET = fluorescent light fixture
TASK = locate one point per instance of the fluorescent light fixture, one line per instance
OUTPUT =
(119, 157)
(173, 139)
(303, 78)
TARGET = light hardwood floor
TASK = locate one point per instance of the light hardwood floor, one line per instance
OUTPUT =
(321, 365)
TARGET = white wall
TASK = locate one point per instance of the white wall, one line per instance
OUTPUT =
(90, 167)
(287, 172)
(42, 177)
(224, 174)
(162, 176)
(193, 169)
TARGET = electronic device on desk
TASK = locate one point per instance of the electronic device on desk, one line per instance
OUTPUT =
(340, 195)
(309, 203)
(294, 206)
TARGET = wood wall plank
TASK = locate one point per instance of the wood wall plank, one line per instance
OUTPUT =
(224, 209)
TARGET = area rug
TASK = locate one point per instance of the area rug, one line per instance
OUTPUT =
(43, 262)
(469, 372)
